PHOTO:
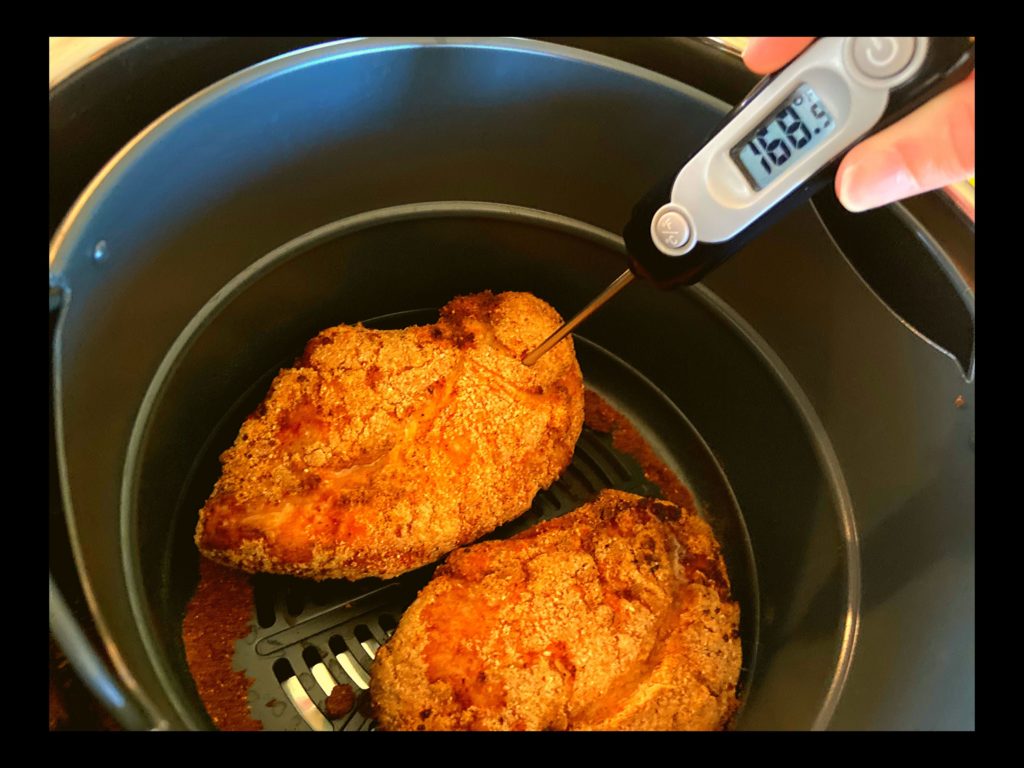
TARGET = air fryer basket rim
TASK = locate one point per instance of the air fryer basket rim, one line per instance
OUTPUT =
(471, 209)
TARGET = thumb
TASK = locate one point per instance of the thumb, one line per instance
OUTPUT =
(928, 149)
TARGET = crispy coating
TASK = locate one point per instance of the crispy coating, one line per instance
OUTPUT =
(380, 451)
(615, 616)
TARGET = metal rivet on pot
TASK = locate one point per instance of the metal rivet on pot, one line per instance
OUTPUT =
(99, 253)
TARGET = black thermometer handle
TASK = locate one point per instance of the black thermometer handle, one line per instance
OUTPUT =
(948, 61)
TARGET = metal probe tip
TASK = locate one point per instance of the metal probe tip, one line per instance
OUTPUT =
(617, 285)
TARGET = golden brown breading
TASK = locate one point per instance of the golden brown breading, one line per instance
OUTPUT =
(615, 616)
(380, 451)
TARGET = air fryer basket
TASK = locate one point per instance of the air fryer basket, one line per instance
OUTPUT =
(368, 180)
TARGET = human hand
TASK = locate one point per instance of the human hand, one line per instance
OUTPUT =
(931, 147)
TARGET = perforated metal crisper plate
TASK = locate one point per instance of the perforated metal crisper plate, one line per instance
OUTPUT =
(310, 636)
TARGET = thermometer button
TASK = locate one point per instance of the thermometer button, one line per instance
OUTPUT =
(672, 230)
(882, 57)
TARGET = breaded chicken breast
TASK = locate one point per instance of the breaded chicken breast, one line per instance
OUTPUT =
(615, 616)
(381, 451)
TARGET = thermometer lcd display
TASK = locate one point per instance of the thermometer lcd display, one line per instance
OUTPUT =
(799, 124)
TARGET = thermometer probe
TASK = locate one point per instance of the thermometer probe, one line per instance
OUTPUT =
(778, 147)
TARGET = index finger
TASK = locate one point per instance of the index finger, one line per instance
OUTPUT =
(764, 55)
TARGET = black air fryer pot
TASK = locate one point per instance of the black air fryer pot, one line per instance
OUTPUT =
(816, 392)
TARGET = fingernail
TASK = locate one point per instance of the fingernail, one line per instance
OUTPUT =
(876, 179)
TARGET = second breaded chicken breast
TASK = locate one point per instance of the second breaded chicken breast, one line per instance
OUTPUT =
(381, 451)
(616, 616)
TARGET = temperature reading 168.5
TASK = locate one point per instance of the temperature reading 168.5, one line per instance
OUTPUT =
(796, 127)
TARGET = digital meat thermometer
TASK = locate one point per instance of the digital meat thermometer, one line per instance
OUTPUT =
(777, 148)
